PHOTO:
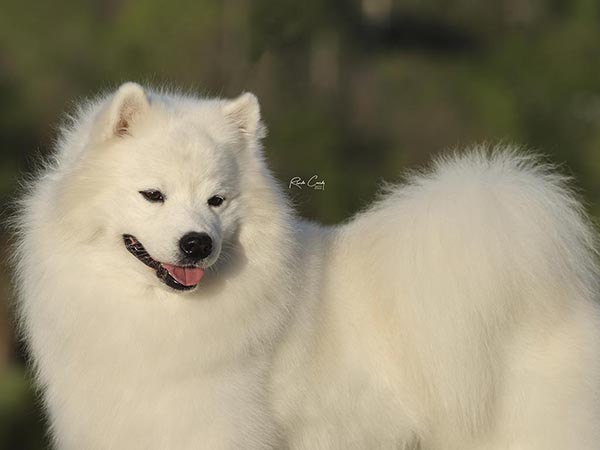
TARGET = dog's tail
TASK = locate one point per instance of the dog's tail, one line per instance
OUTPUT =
(485, 246)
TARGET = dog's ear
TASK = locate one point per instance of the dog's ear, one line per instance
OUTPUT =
(125, 107)
(244, 113)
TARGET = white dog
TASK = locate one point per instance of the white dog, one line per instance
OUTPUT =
(172, 300)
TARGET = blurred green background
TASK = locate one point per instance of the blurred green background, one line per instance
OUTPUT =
(354, 91)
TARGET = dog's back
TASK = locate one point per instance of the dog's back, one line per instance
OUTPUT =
(459, 312)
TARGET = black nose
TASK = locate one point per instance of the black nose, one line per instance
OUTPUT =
(196, 245)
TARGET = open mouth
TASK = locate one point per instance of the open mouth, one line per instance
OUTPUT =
(181, 278)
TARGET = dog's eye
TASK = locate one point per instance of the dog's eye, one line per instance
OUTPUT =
(153, 196)
(215, 200)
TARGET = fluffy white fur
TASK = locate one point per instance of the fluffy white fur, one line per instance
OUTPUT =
(458, 313)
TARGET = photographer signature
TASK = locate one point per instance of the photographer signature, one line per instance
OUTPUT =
(313, 182)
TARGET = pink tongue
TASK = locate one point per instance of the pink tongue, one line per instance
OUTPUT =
(187, 276)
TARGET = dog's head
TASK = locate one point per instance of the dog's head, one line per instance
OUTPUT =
(162, 176)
